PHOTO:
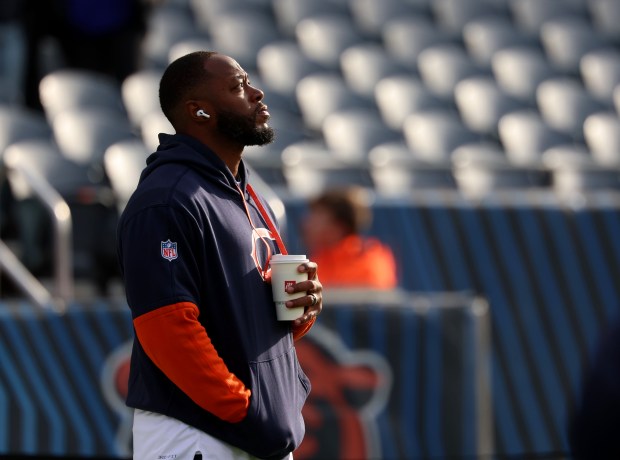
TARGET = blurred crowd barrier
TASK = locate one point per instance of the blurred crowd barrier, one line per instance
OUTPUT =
(394, 375)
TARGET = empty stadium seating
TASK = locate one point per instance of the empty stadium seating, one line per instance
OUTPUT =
(600, 72)
(432, 135)
(392, 87)
(519, 70)
(396, 172)
(482, 168)
(482, 103)
(480, 61)
(525, 136)
(405, 37)
(77, 89)
(365, 64)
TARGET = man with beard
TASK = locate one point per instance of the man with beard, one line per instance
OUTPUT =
(213, 373)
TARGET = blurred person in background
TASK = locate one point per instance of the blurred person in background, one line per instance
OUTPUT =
(332, 231)
(104, 36)
(12, 50)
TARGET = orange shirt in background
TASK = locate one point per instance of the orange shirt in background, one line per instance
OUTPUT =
(357, 261)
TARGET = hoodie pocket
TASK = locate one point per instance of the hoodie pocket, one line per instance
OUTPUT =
(279, 391)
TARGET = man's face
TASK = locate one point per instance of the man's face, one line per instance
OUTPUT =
(320, 229)
(241, 115)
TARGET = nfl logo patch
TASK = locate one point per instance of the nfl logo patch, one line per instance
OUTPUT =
(169, 250)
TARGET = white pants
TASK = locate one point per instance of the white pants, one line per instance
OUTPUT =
(157, 437)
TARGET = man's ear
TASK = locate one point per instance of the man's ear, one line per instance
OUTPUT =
(197, 111)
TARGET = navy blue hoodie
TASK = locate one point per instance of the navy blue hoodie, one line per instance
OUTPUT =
(185, 236)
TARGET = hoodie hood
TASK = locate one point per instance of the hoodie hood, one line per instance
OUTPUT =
(187, 151)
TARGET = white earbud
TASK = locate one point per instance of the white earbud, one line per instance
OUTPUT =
(202, 113)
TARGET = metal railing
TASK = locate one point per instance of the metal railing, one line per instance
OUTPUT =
(58, 209)
(476, 310)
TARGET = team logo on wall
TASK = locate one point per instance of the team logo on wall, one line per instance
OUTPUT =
(350, 388)
(169, 250)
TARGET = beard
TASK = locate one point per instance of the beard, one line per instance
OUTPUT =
(243, 129)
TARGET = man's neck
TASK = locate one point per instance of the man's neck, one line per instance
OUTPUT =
(229, 152)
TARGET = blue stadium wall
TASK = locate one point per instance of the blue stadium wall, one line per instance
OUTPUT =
(548, 270)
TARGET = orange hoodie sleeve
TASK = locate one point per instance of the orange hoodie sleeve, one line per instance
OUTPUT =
(301, 330)
(178, 344)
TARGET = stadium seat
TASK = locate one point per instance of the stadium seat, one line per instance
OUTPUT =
(351, 134)
(519, 71)
(266, 163)
(242, 34)
(481, 103)
(482, 168)
(395, 172)
(289, 13)
(83, 135)
(486, 36)
(324, 38)
(573, 170)
(309, 168)
(602, 137)
(453, 15)
(406, 37)
(400, 96)
(189, 45)
(272, 99)
(433, 135)
(18, 124)
(564, 105)
(123, 162)
(289, 128)
(363, 65)
(320, 94)
(166, 26)
(530, 15)
(421, 6)
(282, 65)
(370, 16)
(525, 136)
(77, 89)
(600, 73)
(152, 125)
(207, 14)
(443, 66)
(570, 154)
(605, 15)
(566, 40)
(42, 157)
(140, 93)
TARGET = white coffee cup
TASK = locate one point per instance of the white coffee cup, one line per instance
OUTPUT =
(284, 273)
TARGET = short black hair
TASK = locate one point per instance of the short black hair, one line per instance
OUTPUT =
(347, 205)
(180, 77)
